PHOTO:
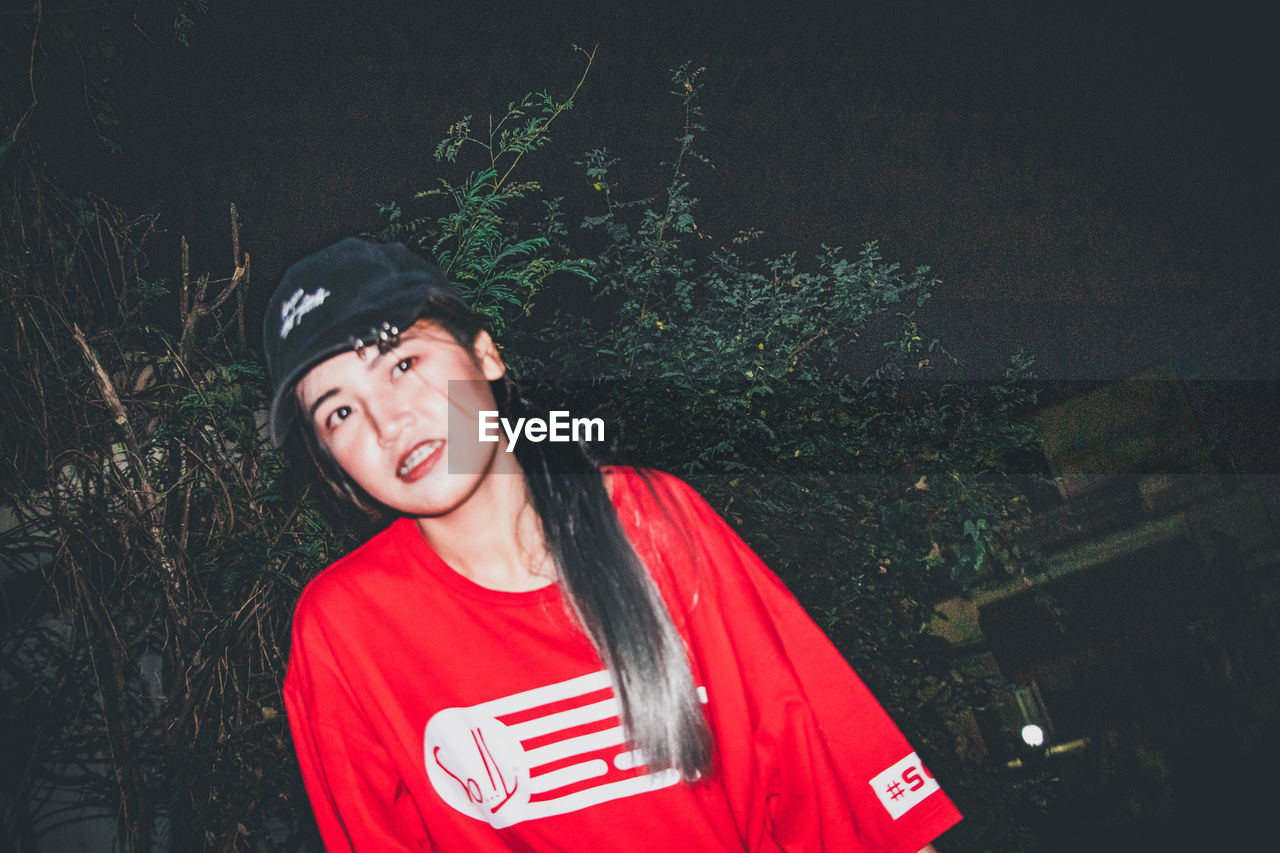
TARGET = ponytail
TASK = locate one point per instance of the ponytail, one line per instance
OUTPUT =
(617, 603)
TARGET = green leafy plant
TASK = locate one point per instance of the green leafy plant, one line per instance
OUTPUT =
(498, 271)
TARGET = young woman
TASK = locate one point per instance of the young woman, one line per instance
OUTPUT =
(537, 653)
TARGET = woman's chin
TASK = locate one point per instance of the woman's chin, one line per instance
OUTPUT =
(454, 484)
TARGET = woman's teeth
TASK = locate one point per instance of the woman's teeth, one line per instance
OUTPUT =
(419, 453)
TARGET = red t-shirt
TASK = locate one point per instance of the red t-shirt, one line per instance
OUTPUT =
(430, 713)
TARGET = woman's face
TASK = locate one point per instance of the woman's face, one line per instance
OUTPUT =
(403, 424)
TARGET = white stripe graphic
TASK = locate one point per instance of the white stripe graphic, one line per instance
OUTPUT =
(480, 766)
(604, 793)
(580, 686)
(568, 776)
(576, 746)
(565, 719)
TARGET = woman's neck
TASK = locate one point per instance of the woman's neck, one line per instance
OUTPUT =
(495, 537)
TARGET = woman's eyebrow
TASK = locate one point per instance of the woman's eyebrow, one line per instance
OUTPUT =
(319, 402)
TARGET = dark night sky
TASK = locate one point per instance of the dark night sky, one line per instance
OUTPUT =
(1096, 182)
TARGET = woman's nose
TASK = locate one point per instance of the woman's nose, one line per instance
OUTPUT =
(390, 416)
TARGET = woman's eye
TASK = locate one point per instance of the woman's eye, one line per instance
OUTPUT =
(404, 365)
(337, 416)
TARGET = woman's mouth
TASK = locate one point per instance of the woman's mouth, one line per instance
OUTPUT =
(415, 464)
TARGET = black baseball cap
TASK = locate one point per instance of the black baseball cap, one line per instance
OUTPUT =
(348, 295)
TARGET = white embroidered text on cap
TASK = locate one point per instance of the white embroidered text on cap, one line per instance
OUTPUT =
(296, 306)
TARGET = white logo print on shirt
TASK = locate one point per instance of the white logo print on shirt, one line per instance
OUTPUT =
(543, 752)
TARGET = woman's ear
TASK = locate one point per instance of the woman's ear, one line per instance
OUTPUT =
(488, 357)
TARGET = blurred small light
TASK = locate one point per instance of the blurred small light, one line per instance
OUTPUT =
(1032, 735)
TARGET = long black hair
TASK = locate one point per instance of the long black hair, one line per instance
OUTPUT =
(601, 577)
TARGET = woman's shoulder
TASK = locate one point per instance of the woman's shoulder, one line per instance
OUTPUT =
(660, 512)
(359, 573)
(646, 486)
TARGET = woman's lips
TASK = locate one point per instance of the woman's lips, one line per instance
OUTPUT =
(415, 464)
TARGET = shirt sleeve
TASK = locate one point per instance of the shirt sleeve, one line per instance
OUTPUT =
(356, 794)
(834, 770)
